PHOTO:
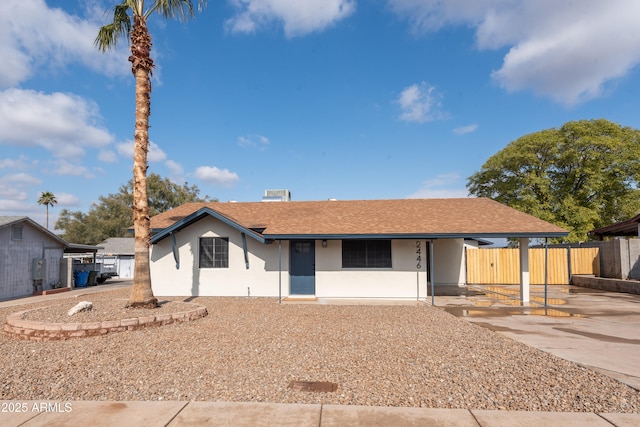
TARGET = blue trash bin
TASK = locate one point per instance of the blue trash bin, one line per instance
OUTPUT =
(81, 278)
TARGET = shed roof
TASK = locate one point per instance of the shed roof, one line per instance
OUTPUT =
(623, 228)
(427, 218)
(118, 246)
(10, 220)
(68, 247)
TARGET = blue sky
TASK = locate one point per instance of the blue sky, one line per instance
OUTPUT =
(346, 99)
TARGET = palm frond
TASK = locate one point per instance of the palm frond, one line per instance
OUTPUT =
(180, 9)
(109, 34)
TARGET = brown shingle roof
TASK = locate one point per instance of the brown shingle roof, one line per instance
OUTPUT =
(622, 228)
(470, 216)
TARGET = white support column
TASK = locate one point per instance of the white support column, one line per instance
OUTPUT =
(524, 271)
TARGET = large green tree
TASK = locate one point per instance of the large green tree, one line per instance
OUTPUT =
(580, 176)
(111, 216)
(47, 199)
(130, 22)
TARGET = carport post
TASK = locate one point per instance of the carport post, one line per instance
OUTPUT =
(546, 269)
(279, 271)
(433, 287)
(524, 271)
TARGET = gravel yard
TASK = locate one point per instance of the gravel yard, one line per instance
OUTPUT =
(251, 349)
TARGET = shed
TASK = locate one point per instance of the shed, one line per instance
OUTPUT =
(30, 257)
(121, 251)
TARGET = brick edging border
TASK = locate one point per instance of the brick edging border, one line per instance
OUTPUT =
(18, 327)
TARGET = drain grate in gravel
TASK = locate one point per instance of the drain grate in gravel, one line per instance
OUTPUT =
(316, 386)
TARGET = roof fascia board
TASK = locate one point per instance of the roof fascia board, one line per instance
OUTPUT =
(198, 215)
(628, 226)
(80, 248)
(411, 236)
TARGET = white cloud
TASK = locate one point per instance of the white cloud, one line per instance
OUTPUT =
(215, 176)
(174, 167)
(297, 17)
(21, 163)
(107, 156)
(562, 49)
(14, 206)
(67, 168)
(63, 124)
(19, 179)
(463, 130)
(125, 149)
(420, 103)
(176, 172)
(14, 194)
(155, 153)
(10, 192)
(33, 35)
(443, 186)
(67, 200)
(19, 197)
(253, 141)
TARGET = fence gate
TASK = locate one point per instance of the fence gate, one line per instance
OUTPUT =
(501, 266)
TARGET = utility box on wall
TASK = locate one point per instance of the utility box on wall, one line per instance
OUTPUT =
(38, 269)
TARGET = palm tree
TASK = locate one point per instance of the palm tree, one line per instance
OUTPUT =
(130, 20)
(47, 198)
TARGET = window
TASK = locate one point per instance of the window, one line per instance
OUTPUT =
(366, 254)
(16, 232)
(302, 247)
(214, 252)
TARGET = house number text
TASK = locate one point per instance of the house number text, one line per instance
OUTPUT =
(418, 255)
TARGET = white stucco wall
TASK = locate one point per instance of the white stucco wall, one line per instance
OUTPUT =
(261, 279)
(403, 280)
(449, 262)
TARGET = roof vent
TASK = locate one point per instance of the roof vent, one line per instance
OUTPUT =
(276, 196)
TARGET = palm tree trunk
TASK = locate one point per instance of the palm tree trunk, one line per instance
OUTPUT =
(142, 65)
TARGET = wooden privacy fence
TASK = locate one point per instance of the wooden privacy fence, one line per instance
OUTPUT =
(501, 266)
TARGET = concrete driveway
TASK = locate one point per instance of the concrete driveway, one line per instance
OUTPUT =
(597, 329)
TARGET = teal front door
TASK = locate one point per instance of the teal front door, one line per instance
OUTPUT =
(303, 267)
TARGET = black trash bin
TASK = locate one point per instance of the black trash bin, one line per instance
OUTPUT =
(92, 279)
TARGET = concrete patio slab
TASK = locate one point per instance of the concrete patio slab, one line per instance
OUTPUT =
(597, 329)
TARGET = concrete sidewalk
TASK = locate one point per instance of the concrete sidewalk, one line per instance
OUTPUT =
(178, 414)
(74, 293)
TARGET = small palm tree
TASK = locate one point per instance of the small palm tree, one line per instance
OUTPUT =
(48, 199)
(130, 20)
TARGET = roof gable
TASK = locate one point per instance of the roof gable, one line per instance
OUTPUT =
(6, 221)
(425, 218)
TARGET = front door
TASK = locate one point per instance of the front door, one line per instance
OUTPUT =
(303, 267)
